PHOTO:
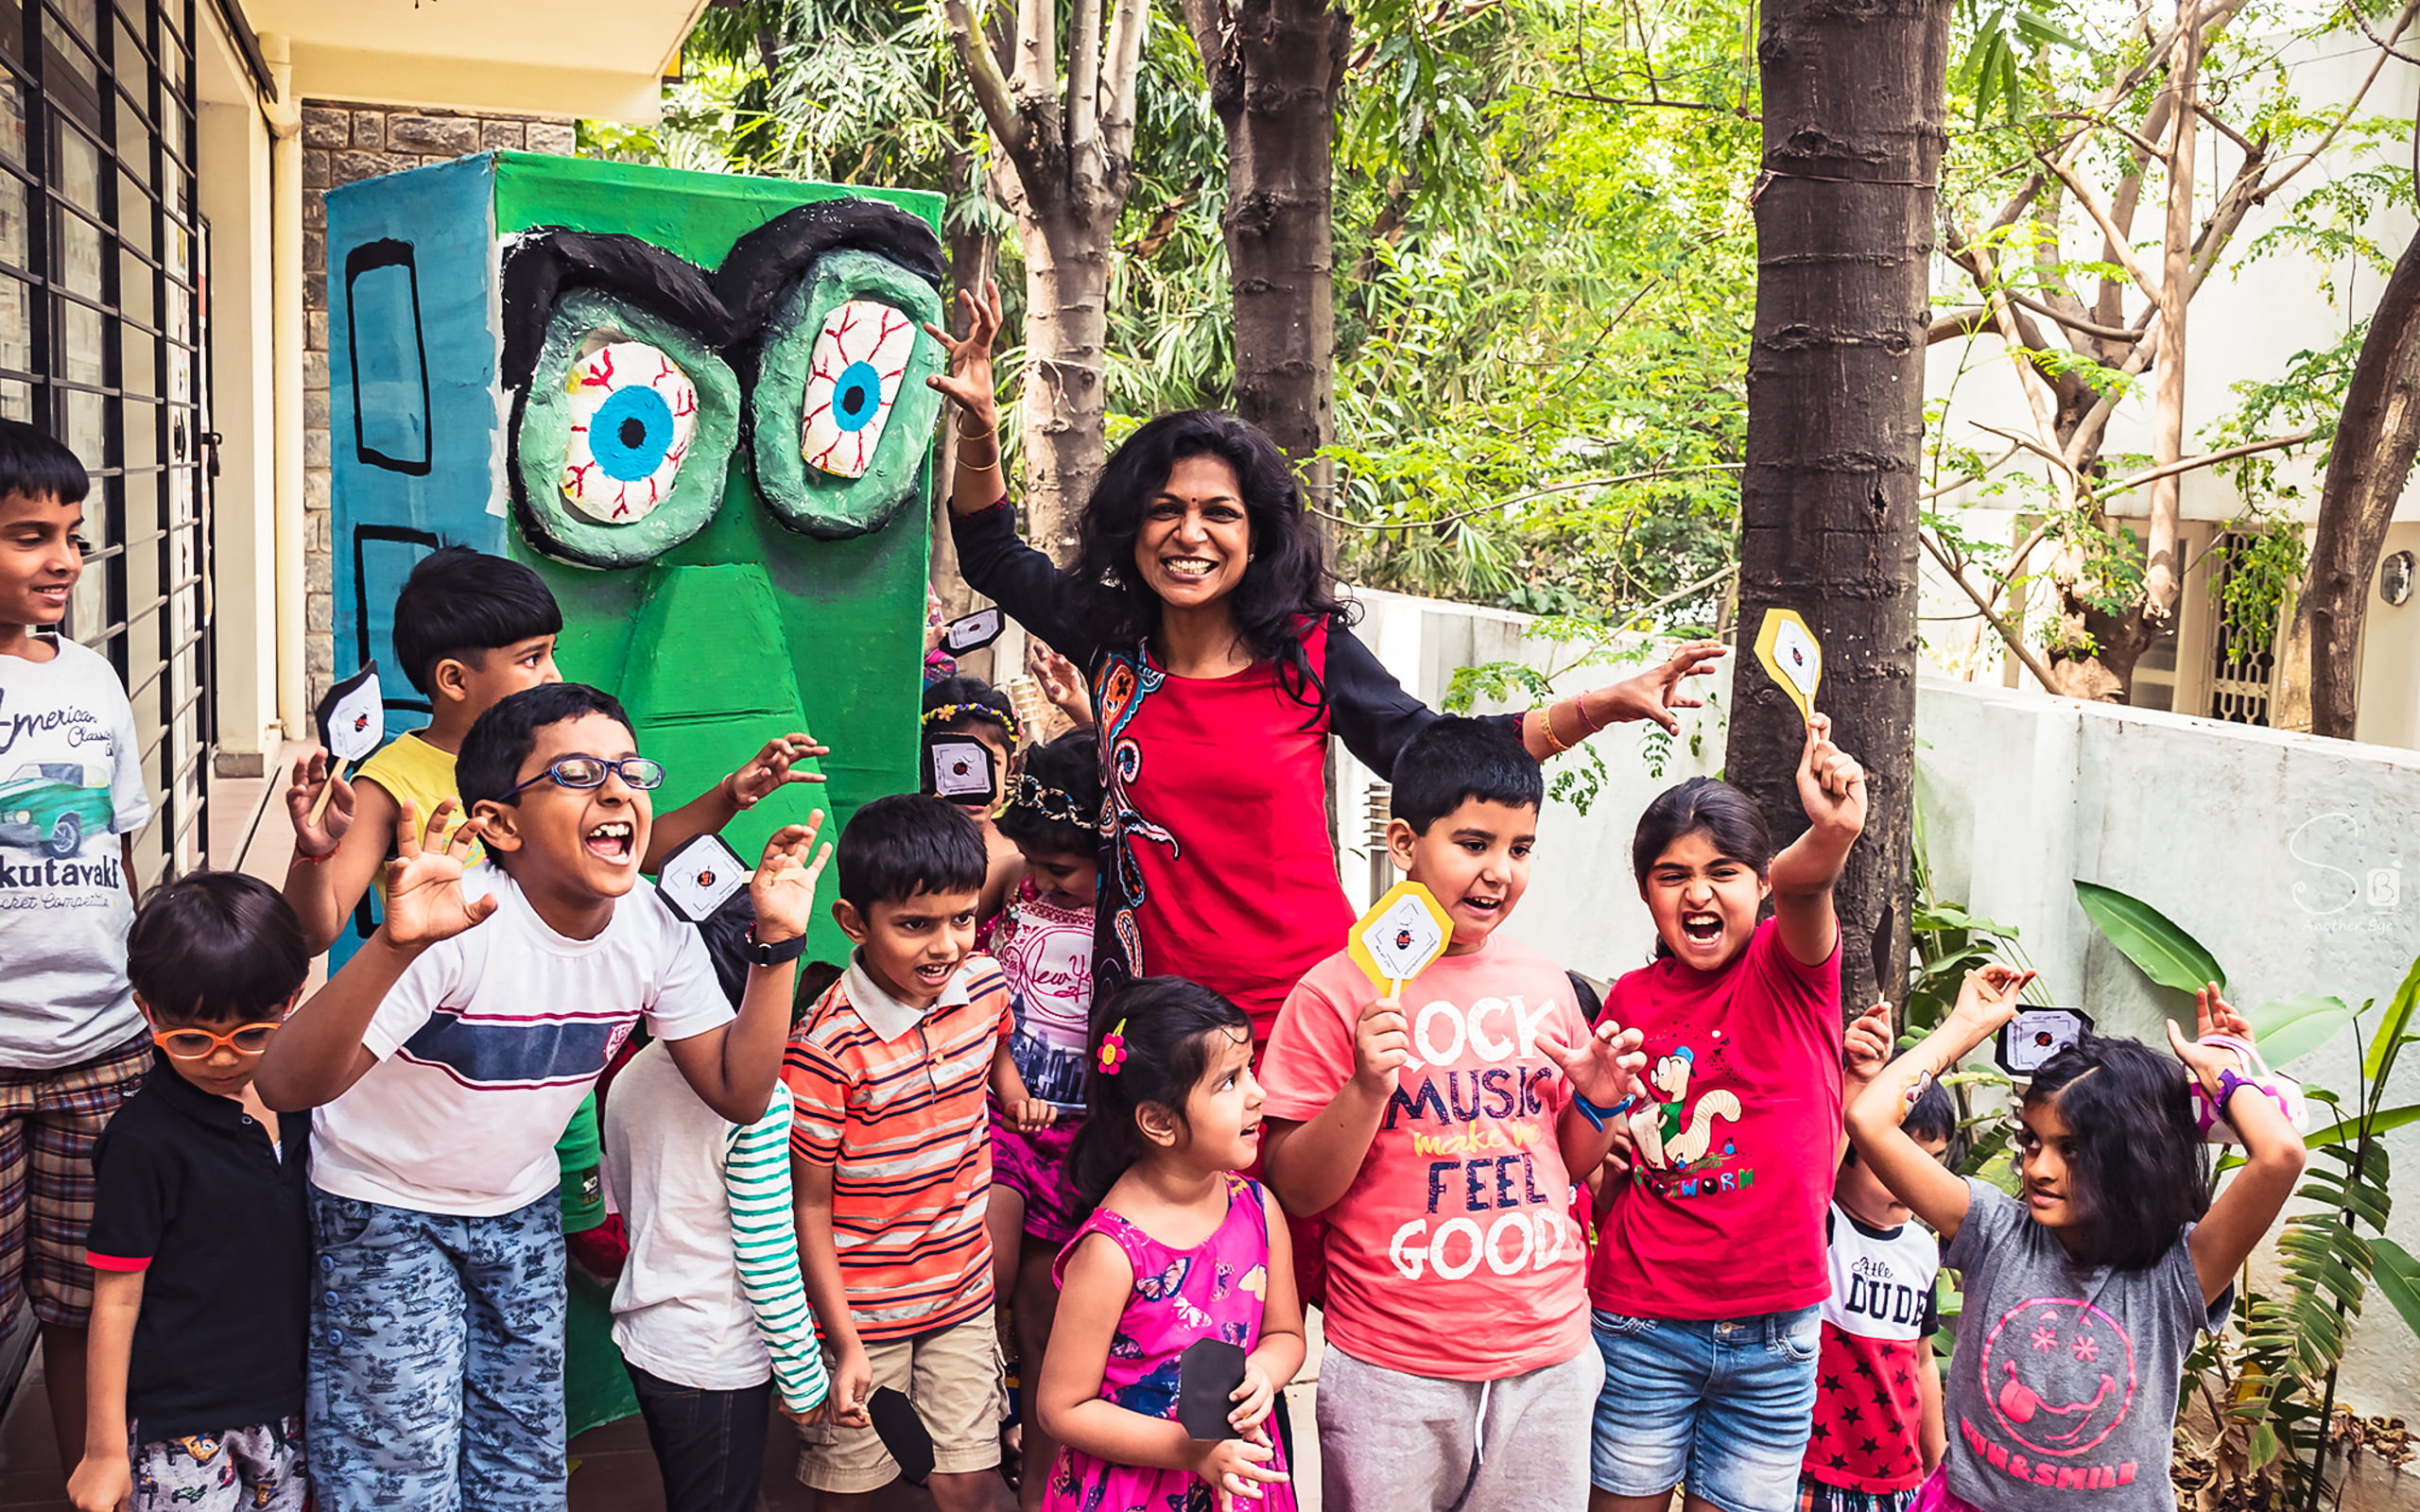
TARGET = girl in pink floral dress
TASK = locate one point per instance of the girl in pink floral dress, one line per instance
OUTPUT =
(1178, 1249)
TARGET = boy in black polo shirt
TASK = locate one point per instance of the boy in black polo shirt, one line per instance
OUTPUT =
(200, 1243)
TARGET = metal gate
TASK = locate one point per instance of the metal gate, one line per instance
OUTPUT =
(104, 340)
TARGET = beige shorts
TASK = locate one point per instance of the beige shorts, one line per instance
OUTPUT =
(952, 1375)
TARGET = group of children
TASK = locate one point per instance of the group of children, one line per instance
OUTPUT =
(1567, 1253)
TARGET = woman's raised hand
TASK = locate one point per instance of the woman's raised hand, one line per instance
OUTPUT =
(1656, 693)
(968, 382)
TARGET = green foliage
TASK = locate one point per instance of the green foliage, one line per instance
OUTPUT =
(2150, 938)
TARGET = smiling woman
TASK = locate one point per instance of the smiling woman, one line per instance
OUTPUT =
(1221, 659)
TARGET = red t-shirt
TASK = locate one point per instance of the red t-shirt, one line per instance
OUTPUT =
(1729, 1221)
(1244, 908)
(1453, 1254)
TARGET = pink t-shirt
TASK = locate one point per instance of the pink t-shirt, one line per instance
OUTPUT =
(1453, 1254)
(1726, 1220)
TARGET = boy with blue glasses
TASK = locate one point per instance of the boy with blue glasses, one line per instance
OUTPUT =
(443, 1061)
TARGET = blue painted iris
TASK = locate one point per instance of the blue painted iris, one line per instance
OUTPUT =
(857, 396)
(630, 433)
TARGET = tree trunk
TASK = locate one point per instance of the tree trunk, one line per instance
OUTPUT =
(2320, 660)
(1275, 70)
(1845, 228)
(973, 255)
(1066, 330)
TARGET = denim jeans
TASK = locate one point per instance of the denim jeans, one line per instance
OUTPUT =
(709, 1445)
(1720, 1405)
(436, 1360)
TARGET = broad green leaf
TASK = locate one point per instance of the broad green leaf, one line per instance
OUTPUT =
(2388, 1038)
(2350, 1129)
(2292, 1027)
(2396, 1276)
(2163, 952)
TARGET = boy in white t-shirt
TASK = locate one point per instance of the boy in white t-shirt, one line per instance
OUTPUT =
(444, 1060)
(72, 1045)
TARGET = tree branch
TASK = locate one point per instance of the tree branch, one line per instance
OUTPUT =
(1967, 321)
(1121, 83)
(1083, 78)
(2386, 50)
(983, 72)
(2110, 234)
(2007, 633)
(2188, 464)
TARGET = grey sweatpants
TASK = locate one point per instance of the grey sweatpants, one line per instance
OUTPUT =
(1391, 1443)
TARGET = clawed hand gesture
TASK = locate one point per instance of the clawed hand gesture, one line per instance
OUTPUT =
(1831, 785)
(1988, 998)
(311, 777)
(2211, 1015)
(1604, 1067)
(783, 889)
(1656, 693)
(1061, 684)
(424, 901)
(969, 381)
(773, 766)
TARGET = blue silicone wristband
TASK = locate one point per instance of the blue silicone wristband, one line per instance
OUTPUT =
(1596, 1113)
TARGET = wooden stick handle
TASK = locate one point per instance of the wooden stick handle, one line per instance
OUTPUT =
(320, 805)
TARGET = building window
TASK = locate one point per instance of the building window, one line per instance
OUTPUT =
(103, 314)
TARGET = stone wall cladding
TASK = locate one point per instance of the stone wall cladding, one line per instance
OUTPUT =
(343, 142)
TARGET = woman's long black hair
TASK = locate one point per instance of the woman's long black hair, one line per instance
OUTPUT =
(2138, 1171)
(1166, 1023)
(1287, 580)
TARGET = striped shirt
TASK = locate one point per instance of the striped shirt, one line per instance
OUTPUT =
(892, 1099)
(764, 1233)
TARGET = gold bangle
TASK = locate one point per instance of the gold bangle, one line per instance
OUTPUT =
(959, 431)
(1545, 722)
(993, 466)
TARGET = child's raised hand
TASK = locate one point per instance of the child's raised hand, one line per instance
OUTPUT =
(2211, 1016)
(969, 379)
(1988, 997)
(1237, 1468)
(1381, 1044)
(317, 839)
(1831, 785)
(783, 889)
(1865, 1046)
(1604, 1067)
(1253, 1398)
(424, 901)
(771, 767)
(1060, 682)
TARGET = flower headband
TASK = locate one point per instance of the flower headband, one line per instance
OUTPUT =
(943, 712)
(1052, 803)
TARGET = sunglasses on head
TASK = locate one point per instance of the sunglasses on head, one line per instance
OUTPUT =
(591, 771)
(200, 1044)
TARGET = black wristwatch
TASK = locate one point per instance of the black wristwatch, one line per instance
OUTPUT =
(782, 954)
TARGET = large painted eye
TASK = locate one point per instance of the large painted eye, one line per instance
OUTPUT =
(624, 436)
(858, 361)
(633, 414)
(843, 417)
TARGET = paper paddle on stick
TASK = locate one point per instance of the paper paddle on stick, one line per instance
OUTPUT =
(1401, 933)
(1791, 654)
(352, 720)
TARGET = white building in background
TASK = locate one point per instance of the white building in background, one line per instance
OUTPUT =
(160, 166)
(2246, 326)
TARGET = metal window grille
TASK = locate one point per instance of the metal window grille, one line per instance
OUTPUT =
(103, 340)
(2243, 666)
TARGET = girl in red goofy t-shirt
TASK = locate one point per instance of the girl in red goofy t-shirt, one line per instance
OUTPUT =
(1709, 1274)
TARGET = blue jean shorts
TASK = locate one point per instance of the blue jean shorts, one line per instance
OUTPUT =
(1721, 1407)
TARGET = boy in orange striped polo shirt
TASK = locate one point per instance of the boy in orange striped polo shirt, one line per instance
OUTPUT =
(891, 1158)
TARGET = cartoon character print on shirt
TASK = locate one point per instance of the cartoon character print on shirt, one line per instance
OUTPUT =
(2059, 1373)
(1675, 1137)
(1479, 1127)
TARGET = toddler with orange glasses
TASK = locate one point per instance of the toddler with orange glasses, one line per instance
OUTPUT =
(200, 1243)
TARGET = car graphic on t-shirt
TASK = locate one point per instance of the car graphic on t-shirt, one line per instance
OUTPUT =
(54, 805)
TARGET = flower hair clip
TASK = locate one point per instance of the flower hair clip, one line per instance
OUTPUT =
(1113, 1050)
(1052, 803)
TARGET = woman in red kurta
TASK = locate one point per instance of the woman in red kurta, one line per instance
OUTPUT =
(1221, 659)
